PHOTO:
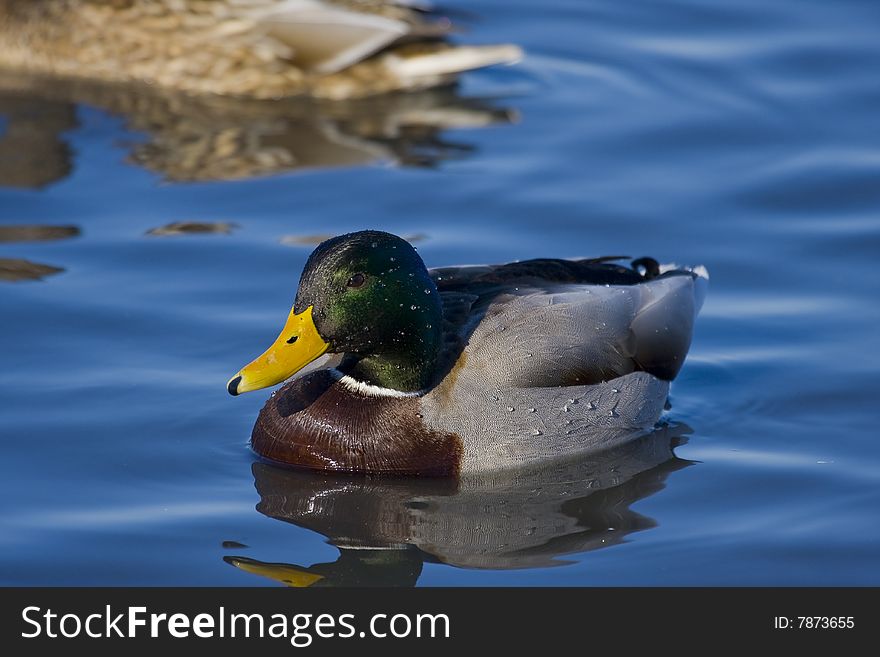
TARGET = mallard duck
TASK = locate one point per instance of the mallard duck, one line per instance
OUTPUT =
(258, 48)
(472, 368)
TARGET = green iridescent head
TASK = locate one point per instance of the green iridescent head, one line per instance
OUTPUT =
(367, 295)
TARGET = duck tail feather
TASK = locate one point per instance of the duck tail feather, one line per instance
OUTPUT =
(701, 286)
(449, 61)
(662, 328)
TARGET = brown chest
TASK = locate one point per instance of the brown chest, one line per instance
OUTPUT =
(318, 422)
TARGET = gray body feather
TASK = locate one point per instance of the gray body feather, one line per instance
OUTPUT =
(553, 370)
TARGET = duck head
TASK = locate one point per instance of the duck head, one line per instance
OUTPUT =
(368, 296)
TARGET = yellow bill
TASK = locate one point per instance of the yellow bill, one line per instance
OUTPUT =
(281, 572)
(298, 345)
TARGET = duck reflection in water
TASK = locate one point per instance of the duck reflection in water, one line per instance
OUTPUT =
(217, 138)
(387, 528)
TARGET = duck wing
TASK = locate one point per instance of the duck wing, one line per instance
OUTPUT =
(552, 323)
(325, 38)
(485, 279)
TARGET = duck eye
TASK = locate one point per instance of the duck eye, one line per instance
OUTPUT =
(356, 281)
(292, 339)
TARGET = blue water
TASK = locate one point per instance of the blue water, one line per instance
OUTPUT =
(743, 136)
